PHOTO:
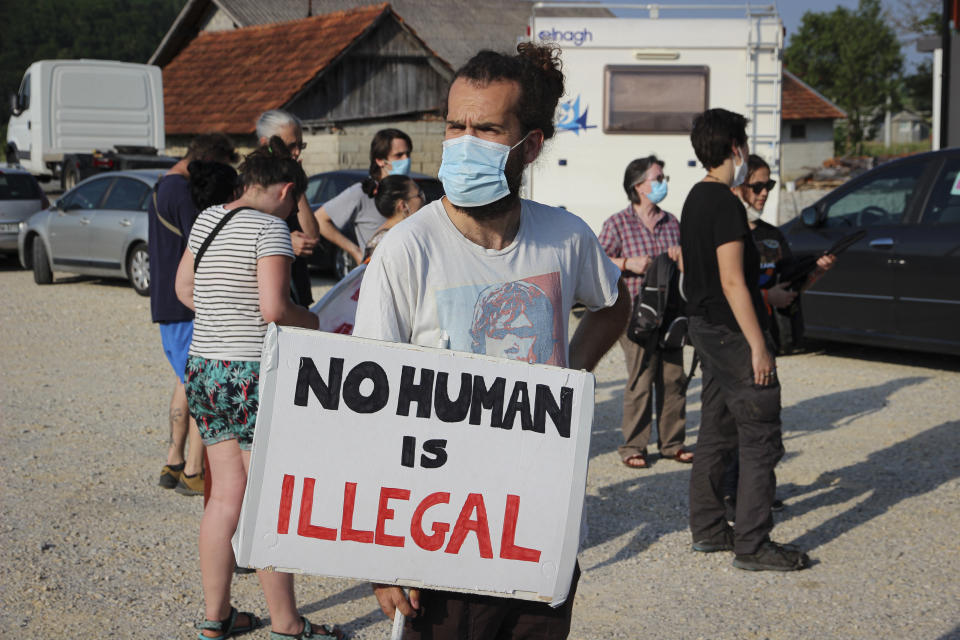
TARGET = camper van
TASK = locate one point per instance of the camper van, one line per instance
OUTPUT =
(634, 82)
(74, 118)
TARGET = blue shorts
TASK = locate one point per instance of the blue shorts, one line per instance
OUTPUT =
(176, 338)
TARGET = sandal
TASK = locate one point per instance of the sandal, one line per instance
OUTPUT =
(682, 456)
(636, 461)
(228, 626)
(323, 633)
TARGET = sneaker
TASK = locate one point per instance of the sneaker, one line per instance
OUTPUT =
(771, 556)
(190, 485)
(722, 541)
(777, 505)
(170, 475)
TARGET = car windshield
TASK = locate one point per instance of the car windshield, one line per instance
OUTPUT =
(17, 186)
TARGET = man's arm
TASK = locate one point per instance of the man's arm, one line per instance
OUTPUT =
(599, 330)
(329, 231)
(730, 263)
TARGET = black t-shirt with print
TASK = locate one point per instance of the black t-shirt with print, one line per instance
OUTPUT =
(713, 216)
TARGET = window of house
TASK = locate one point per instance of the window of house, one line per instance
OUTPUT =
(798, 131)
(653, 98)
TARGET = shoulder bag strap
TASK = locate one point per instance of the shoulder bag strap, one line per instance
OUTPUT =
(156, 210)
(206, 243)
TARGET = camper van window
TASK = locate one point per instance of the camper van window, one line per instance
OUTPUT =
(653, 99)
(23, 102)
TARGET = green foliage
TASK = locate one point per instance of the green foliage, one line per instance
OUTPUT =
(918, 88)
(853, 58)
(125, 30)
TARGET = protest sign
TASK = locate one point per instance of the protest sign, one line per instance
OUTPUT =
(416, 466)
(337, 309)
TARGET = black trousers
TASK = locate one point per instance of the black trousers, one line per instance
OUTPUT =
(734, 411)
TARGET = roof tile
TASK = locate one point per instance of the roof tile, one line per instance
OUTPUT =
(801, 102)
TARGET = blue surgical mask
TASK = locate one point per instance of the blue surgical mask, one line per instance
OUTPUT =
(400, 167)
(658, 192)
(471, 170)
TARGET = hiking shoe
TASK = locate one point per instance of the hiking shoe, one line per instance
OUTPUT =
(170, 475)
(190, 485)
(771, 556)
(722, 541)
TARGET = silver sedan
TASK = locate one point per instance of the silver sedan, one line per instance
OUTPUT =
(98, 228)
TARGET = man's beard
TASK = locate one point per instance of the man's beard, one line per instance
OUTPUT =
(498, 208)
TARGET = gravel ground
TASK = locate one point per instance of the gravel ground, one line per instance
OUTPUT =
(91, 547)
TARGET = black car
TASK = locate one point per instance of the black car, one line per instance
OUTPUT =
(322, 187)
(899, 286)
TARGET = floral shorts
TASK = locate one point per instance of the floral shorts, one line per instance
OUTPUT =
(223, 396)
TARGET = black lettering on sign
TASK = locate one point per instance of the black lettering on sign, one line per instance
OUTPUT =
(408, 452)
(452, 410)
(519, 403)
(545, 404)
(308, 378)
(437, 450)
(378, 397)
(420, 393)
(487, 398)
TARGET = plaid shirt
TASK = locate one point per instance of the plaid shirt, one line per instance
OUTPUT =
(624, 236)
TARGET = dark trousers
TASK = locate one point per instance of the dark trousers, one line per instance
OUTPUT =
(733, 410)
(447, 615)
(662, 374)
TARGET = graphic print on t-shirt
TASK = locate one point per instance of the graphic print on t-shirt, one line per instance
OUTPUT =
(520, 320)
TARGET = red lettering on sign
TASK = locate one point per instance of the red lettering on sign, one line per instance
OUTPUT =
(434, 541)
(356, 295)
(385, 513)
(304, 528)
(286, 503)
(346, 328)
(466, 524)
(509, 550)
(347, 532)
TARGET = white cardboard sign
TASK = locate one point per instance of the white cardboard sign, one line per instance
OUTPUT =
(337, 309)
(416, 466)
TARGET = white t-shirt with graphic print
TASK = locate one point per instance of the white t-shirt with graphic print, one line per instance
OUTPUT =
(427, 281)
(228, 324)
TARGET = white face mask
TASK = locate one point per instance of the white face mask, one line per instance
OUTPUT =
(752, 214)
(739, 170)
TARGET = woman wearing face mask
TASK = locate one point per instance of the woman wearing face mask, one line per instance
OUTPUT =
(740, 394)
(773, 247)
(632, 238)
(354, 207)
(398, 197)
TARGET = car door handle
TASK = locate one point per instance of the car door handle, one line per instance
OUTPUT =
(125, 222)
(882, 243)
(84, 220)
(896, 261)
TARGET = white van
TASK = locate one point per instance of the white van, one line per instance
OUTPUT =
(73, 118)
(634, 82)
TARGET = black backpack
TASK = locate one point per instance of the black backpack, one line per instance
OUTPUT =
(658, 318)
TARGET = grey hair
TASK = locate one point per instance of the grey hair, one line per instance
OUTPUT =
(270, 122)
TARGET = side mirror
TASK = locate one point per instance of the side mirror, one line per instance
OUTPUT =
(810, 217)
(15, 105)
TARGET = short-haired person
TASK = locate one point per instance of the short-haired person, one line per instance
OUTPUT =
(235, 273)
(304, 232)
(398, 197)
(632, 238)
(740, 396)
(482, 254)
(354, 207)
(170, 215)
(772, 246)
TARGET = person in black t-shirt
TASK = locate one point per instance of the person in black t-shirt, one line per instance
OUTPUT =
(740, 396)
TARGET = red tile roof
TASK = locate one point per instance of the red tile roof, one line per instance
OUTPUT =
(800, 101)
(223, 81)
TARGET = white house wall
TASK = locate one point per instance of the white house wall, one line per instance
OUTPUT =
(799, 156)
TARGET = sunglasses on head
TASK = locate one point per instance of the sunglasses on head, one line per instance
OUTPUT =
(757, 187)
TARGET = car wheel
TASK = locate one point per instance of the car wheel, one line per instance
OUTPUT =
(42, 274)
(138, 269)
(344, 264)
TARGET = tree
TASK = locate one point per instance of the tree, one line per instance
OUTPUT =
(853, 58)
